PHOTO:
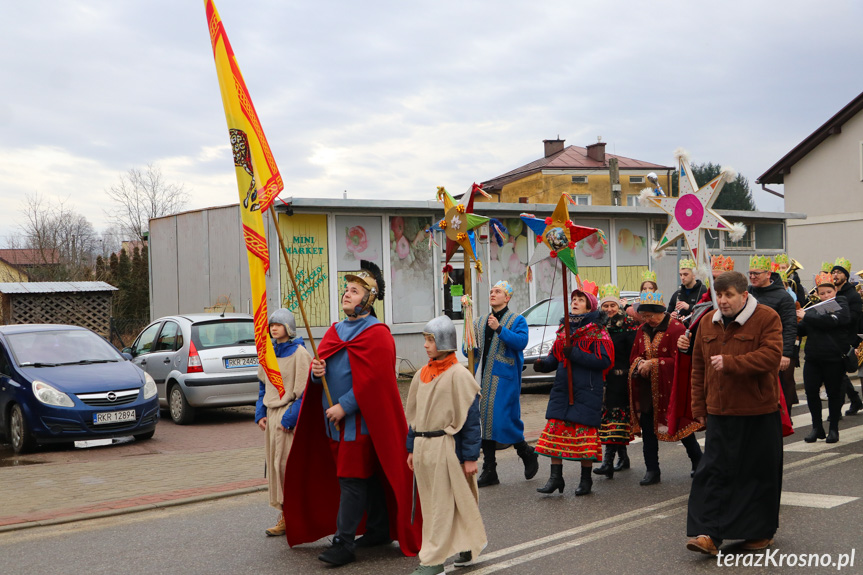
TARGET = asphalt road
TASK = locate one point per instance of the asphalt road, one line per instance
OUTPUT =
(620, 528)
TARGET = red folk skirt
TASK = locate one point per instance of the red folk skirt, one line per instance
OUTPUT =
(573, 441)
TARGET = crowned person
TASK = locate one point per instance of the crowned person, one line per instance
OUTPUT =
(652, 389)
(784, 263)
(767, 287)
(615, 433)
(648, 283)
(690, 291)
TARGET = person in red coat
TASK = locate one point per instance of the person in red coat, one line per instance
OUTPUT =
(347, 460)
(655, 385)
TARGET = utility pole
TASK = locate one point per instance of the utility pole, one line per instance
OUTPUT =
(614, 178)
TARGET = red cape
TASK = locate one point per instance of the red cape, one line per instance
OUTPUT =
(311, 486)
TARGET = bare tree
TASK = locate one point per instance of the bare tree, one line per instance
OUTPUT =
(63, 242)
(141, 195)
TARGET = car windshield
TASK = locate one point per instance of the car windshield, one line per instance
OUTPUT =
(223, 333)
(60, 347)
(548, 312)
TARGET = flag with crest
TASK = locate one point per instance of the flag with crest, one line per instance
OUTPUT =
(258, 180)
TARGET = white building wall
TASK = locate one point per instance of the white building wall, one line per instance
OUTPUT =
(827, 185)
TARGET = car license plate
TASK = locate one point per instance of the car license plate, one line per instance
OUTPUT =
(242, 362)
(114, 417)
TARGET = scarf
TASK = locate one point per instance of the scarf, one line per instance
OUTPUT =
(621, 323)
(585, 331)
(435, 367)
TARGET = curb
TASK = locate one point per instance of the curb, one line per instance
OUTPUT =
(126, 510)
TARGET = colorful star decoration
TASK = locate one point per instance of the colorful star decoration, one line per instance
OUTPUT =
(691, 212)
(458, 224)
(556, 236)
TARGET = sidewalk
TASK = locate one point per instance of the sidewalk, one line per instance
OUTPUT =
(68, 489)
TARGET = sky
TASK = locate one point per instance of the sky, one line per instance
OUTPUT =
(388, 100)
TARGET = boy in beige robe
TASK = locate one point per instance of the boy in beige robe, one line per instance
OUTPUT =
(277, 416)
(444, 440)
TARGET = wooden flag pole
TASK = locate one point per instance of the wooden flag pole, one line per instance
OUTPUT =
(566, 341)
(468, 290)
(302, 309)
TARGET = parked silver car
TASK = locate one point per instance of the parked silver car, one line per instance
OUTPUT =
(543, 319)
(199, 360)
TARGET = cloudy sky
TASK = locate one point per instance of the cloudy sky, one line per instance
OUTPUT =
(390, 99)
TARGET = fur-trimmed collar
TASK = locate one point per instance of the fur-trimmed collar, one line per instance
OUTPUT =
(744, 314)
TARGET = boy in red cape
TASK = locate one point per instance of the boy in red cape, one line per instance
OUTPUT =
(352, 479)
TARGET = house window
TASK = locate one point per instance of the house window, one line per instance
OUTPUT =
(861, 161)
(768, 236)
(579, 179)
(582, 200)
(745, 242)
(636, 179)
(632, 200)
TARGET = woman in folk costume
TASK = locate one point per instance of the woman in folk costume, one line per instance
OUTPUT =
(652, 372)
(443, 446)
(616, 432)
(571, 432)
(277, 416)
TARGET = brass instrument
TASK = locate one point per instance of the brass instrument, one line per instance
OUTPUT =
(795, 266)
(812, 296)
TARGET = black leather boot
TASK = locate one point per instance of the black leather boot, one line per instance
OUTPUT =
(529, 457)
(555, 480)
(833, 434)
(607, 467)
(489, 465)
(816, 433)
(651, 478)
(622, 459)
(586, 482)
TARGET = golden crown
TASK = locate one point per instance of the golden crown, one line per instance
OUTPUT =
(760, 263)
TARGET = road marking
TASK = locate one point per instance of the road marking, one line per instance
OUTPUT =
(632, 521)
(816, 500)
(845, 436)
(575, 543)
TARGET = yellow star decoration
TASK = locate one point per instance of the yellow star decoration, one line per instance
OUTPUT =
(458, 224)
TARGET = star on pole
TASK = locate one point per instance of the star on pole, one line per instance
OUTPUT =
(692, 211)
(458, 224)
(557, 235)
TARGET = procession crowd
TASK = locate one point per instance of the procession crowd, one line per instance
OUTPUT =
(345, 458)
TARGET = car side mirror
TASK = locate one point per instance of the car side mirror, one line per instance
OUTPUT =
(127, 353)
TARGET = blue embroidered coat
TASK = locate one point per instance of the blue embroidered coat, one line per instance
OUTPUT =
(500, 377)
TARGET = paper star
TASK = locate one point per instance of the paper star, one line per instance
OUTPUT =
(458, 224)
(556, 236)
(692, 211)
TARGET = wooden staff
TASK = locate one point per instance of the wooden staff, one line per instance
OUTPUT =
(566, 332)
(468, 289)
(302, 311)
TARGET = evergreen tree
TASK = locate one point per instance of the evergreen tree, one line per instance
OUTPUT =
(139, 280)
(735, 195)
(123, 279)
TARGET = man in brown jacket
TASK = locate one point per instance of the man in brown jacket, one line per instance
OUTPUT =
(735, 391)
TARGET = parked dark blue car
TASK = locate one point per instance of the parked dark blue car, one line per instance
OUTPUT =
(62, 383)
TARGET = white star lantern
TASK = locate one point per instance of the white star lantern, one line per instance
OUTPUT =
(691, 212)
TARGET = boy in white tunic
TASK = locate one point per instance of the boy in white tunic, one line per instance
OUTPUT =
(443, 445)
(277, 414)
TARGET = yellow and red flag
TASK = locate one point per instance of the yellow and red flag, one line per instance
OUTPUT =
(258, 181)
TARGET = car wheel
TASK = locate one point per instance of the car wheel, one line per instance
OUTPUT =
(20, 437)
(181, 412)
(145, 436)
